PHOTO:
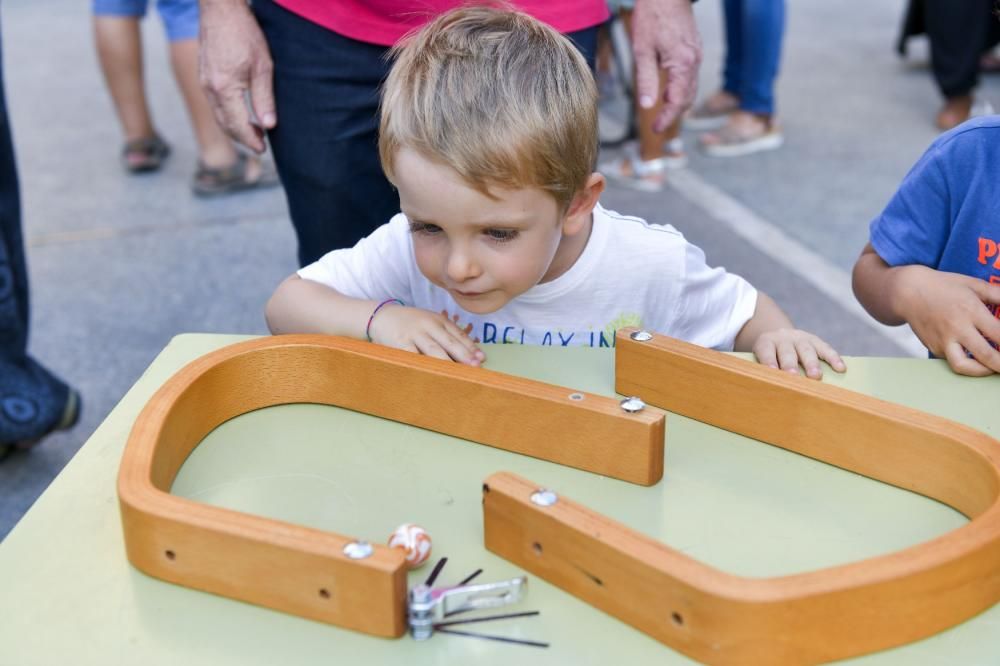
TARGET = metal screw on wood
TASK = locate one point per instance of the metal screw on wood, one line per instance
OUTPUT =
(358, 550)
(641, 336)
(543, 497)
(633, 405)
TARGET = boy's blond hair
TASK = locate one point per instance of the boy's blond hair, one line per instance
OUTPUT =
(499, 97)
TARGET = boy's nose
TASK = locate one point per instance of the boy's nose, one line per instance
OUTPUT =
(462, 267)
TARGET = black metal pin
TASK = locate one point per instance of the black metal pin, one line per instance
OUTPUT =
(505, 616)
(502, 639)
(470, 577)
(437, 570)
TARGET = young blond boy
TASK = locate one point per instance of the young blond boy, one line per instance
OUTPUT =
(489, 132)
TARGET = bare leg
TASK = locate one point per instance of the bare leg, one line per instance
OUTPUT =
(223, 169)
(956, 110)
(119, 49)
(215, 148)
(645, 162)
(652, 145)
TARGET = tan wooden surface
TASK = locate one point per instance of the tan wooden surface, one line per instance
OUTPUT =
(818, 616)
(238, 555)
(69, 596)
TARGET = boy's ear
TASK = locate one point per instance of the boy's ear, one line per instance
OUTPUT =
(578, 214)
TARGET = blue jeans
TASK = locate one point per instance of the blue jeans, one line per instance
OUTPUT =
(32, 399)
(325, 144)
(754, 32)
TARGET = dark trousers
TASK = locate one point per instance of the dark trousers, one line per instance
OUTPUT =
(325, 144)
(31, 398)
(959, 32)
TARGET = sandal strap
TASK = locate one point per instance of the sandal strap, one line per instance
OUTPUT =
(212, 176)
(643, 168)
(675, 145)
(148, 145)
(744, 133)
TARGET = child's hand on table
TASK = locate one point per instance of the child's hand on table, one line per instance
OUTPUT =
(425, 332)
(789, 348)
(949, 314)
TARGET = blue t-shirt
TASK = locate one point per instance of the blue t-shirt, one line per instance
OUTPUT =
(946, 213)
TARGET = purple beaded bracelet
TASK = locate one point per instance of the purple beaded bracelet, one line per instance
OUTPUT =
(378, 307)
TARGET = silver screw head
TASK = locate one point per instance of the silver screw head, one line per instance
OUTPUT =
(543, 497)
(641, 336)
(633, 404)
(358, 550)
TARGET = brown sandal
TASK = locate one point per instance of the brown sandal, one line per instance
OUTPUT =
(212, 181)
(145, 154)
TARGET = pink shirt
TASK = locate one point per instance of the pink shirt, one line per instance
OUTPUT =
(385, 21)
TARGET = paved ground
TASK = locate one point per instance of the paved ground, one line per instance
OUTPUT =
(119, 265)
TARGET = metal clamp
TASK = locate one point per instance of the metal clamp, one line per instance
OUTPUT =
(428, 606)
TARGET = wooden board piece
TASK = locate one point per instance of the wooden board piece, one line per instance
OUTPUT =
(304, 571)
(813, 617)
(718, 618)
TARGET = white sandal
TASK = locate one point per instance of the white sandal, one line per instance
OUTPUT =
(735, 141)
(645, 175)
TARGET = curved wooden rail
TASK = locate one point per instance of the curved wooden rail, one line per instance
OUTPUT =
(305, 571)
(805, 618)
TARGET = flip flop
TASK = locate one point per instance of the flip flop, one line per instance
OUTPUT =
(735, 140)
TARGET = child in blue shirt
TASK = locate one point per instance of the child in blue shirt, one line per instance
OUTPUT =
(933, 260)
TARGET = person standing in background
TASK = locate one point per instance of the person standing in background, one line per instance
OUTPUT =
(33, 401)
(742, 113)
(645, 163)
(312, 70)
(960, 33)
(221, 168)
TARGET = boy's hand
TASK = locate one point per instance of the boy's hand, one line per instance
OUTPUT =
(788, 348)
(949, 314)
(417, 330)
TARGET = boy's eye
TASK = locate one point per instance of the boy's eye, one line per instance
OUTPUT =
(423, 228)
(502, 235)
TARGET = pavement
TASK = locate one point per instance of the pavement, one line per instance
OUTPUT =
(120, 264)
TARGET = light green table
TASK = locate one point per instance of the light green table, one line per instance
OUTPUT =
(68, 596)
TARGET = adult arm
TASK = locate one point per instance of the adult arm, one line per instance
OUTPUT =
(235, 68)
(664, 35)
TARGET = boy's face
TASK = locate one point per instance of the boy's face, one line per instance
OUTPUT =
(483, 251)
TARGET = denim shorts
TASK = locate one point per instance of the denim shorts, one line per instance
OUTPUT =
(180, 17)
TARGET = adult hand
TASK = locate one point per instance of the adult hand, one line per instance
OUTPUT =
(425, 332)
(233, 61)
(948, 313)
(664, 35)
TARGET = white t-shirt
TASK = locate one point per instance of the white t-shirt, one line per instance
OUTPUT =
(631, 273)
